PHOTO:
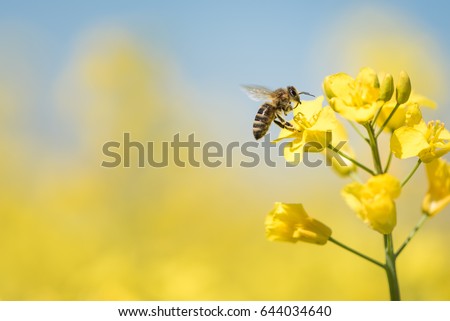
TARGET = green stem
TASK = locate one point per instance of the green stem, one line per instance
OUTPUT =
(356, 252)
(413, 232)
(412, 173)
(368, 170)
(358, 131)
(374, 147)
(388, 242)
(391, 272)
(388, 162)
(387, 120)
(374, 121)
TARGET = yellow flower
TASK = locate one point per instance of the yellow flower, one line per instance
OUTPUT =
(314, 125)
(374, 201)
(438, 195)
(341, 165)
(398, 119)
(355, 99)
(290, 223)
(415, 138)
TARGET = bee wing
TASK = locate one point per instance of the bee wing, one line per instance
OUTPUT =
(257, 93)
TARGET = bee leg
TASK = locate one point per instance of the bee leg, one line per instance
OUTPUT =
(286, 112)
(284, 124)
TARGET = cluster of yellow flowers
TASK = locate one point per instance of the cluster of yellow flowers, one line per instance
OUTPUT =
(376, 108)
(366, 102)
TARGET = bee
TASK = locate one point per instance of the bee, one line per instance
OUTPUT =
(278, 102)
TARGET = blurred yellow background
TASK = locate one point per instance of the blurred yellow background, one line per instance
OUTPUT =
(71, 229)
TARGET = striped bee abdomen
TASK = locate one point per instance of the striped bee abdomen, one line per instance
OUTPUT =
(263, 119)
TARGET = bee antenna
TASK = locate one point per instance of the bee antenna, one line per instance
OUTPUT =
(305, 93)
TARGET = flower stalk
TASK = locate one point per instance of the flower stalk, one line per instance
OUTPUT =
(387, 120)
(390, 268)
(356, 252)
(359, 132)
(412, 172)
(413, 232)
(391, 271)
(388, 163)
(354, 161)
(374, 147)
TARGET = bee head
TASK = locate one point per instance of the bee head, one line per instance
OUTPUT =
(294, 95)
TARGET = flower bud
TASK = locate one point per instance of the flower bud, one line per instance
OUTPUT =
(387, 88)
(403, 88)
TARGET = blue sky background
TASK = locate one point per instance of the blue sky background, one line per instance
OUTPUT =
(207, 37)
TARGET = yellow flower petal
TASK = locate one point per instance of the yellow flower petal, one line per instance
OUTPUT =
(369, 79)
(360, 114)
(385, 183)
(337, 85)
(308, 109)
(431, 153)
(340, 165)
(427, 141)
(407, 142)
(291, 223)
(355, 99)
(373, 202)
(438, 194)
(316, 141)
(292, 152)
(285, 133)
(422, 100)
(413, 116)
(444, 134)
(352, 196)
(381, 214)
(326, 120)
